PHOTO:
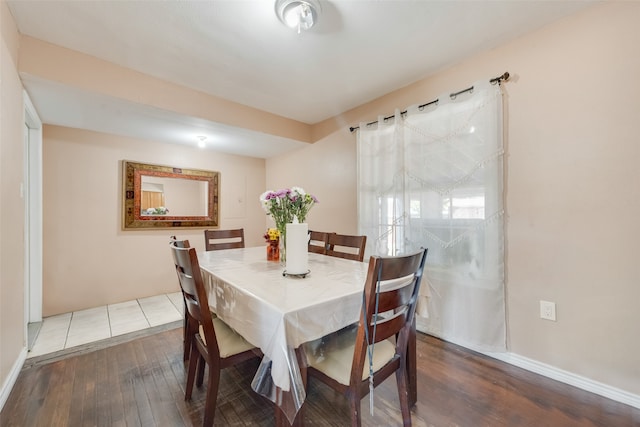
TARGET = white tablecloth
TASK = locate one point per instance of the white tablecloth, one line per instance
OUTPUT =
(278, 313)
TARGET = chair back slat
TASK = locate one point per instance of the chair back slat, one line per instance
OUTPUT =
(387, 327)
(318, 242)
(215, 240)
(399, 267)
(391, 300)
(345, 246)
(173, 240)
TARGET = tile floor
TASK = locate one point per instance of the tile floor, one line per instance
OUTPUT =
(81, 327)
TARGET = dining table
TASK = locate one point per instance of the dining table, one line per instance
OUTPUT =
(277, 313)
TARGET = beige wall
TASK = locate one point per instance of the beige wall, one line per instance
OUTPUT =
(327, 170)
(12, 337)
(88, 259)
(574, 194)
(572, 185)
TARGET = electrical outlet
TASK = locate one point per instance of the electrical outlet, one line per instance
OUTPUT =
(548, 310)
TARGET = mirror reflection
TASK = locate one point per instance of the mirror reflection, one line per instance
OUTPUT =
(157, 196)
(173, 196)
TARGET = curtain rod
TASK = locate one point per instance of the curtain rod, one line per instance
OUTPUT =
(493, 81)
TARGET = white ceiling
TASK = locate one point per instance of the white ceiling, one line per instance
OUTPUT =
(239, 50)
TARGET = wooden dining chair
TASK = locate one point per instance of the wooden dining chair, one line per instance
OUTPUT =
(215, 240)
(345, 246)
(190, 325)
(215, 344)
(318, 242)
(344, 361)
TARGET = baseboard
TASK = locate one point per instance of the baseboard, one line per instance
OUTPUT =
(569, 378)
(12, 377)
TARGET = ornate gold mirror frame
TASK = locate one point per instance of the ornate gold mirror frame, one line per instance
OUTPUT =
(192, 202)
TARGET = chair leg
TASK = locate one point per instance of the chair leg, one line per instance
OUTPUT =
(354, 405)
(412, 361)
(189, 331)
(212, 396)
(201, 366)
(192, 330)
(191, 373)
(403, 394)
(185, 335)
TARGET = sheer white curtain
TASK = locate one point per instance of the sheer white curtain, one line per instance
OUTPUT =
(433, 178)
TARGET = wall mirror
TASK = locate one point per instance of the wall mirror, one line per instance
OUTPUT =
(156, 196)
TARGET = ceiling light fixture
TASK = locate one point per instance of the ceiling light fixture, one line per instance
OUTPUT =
(298, 14)
(201, 143)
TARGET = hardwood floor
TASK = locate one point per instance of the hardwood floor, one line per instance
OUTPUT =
(141, 383)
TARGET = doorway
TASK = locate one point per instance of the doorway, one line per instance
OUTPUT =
(32, 194)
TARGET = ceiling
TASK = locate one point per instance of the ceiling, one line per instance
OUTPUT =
(238, 50)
